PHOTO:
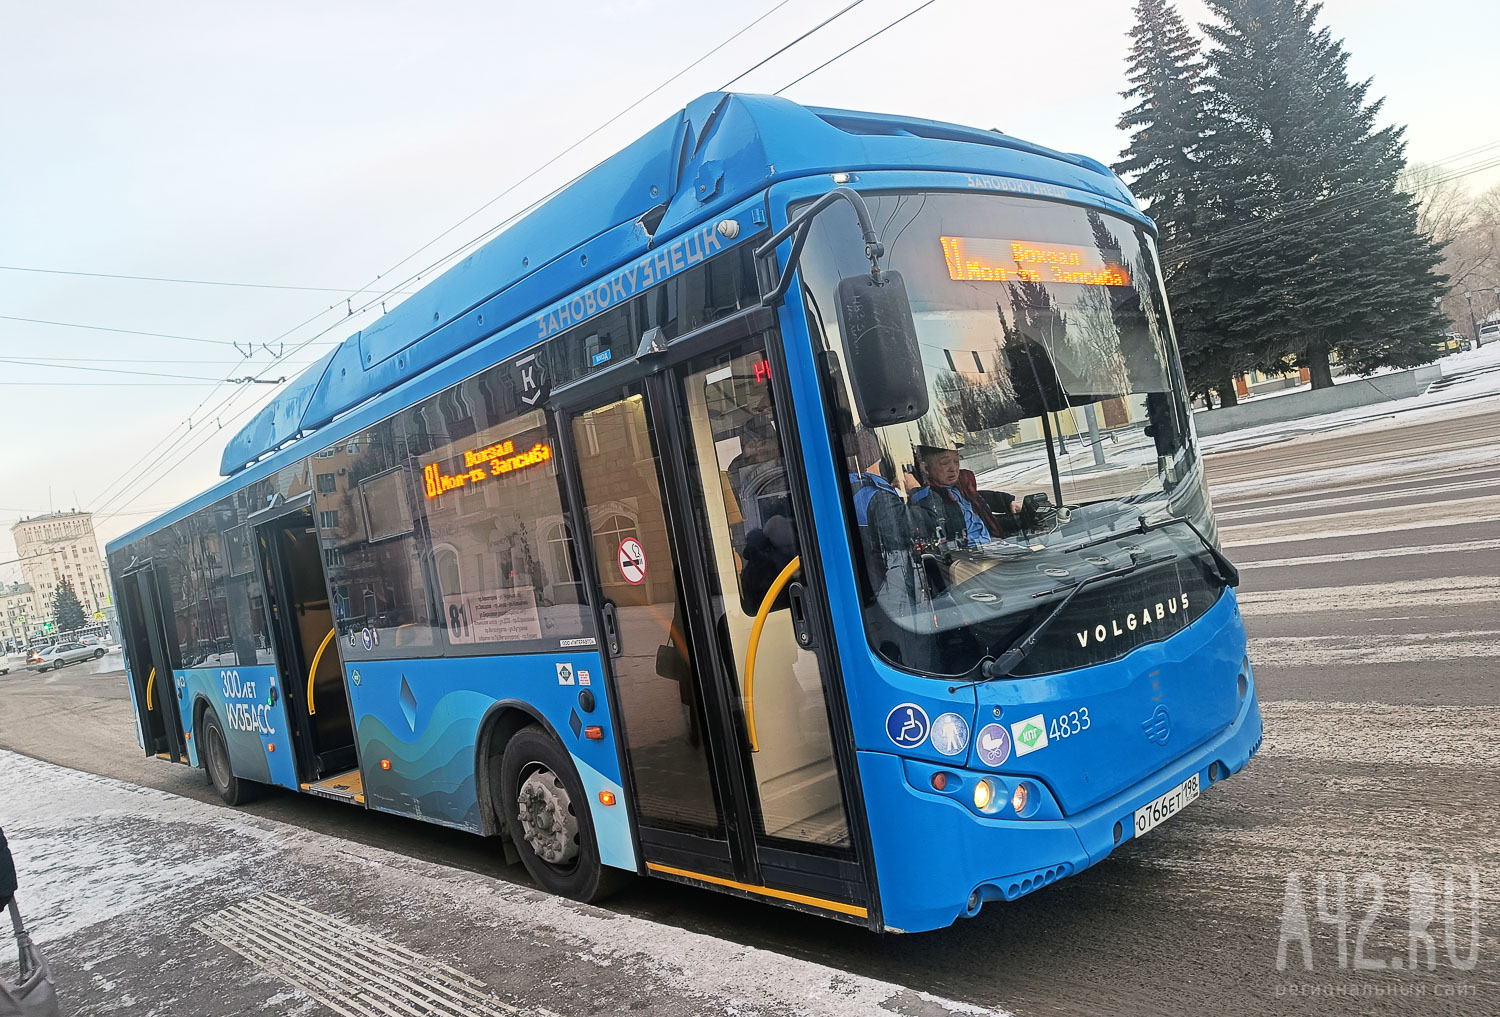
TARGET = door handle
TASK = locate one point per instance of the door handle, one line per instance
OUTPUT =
(313, 673)
(611, 628)
(772, 593)
(796, 595)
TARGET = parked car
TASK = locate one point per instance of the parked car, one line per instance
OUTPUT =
(1489, 333)
(62, 655)
(12, 662)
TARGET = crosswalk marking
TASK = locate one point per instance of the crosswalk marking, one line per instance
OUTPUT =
(1383, 733)
(1422, 594)
(1332, 501)
(1365, 521)
(1378, 552)
(1344, 649)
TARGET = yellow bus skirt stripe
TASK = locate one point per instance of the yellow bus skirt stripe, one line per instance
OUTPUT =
(766, 891)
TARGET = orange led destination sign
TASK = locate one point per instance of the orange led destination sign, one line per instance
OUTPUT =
(480, 464)
(972, 259)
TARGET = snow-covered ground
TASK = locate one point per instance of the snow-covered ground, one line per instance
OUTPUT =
(1472, 374)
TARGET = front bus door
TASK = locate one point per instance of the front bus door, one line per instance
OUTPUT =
(150, 639)
(693, 531)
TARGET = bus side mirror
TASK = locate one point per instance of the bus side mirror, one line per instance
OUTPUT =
(885, 361)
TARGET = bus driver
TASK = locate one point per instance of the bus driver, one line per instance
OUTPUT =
(953, 497)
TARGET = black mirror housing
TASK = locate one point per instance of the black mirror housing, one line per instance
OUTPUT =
(885, 360)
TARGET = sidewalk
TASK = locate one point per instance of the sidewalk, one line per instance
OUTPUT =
(147, 903)
(1474, 374)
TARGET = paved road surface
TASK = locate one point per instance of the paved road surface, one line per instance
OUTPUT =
(1371, 559)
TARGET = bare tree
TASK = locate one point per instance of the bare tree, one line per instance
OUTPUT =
(1469, 229)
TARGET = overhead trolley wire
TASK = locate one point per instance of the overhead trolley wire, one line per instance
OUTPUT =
(816, 28)
(470, 216)
(1195, 248)
(170, 279)
(121, 331)
(367, 305)
(856, 46)
(1262, 229)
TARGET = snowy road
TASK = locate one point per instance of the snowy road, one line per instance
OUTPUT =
(1370, 554)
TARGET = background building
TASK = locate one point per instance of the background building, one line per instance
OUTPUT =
(61, 544)
(20, 613)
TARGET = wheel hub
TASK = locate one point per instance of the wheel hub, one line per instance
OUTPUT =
(547, 819)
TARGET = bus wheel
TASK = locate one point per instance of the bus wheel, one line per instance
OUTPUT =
(547, 813)
(215, 749)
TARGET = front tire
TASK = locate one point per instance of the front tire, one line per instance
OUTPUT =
(547, 812)
(215, 748)
(98, 654)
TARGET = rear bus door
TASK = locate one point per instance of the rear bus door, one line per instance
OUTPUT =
(151, 642)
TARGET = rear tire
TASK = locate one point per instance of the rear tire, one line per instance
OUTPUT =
(215, 750)
(98, 654)
(547, 813)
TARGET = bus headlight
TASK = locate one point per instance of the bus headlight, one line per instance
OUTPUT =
(1019, 797)
(984, 794)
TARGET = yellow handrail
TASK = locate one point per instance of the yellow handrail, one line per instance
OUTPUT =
(311, 674)
(751, 650)
(150, 684)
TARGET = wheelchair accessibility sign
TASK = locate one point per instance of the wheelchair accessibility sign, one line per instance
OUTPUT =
(907, 725)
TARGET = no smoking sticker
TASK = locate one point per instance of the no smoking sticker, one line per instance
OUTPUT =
(632, 561)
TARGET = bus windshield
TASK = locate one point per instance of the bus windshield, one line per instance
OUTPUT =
(1056, 425)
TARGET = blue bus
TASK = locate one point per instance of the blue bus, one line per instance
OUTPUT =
(802, 503)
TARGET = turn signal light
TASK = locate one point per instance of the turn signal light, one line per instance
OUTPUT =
(606, 797)
(939, 781)
(593, 731)
(385, 764)
(1019, 797)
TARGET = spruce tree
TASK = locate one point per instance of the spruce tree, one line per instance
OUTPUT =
(1322, 255)
(1166, 123)
(67, 612)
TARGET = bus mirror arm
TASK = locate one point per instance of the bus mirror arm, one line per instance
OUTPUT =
(798, 229)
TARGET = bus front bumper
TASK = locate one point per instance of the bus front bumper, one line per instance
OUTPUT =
(938, 860)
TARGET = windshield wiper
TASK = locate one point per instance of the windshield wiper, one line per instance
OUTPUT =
(992, 668)
(1224, 569)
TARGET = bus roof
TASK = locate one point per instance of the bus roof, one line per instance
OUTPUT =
(720, 149)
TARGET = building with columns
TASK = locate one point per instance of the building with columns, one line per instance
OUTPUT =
(62, 544)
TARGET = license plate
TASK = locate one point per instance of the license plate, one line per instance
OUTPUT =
(1159, 810)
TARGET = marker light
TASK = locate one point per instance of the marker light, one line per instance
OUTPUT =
(841, 178)
(606, 797)
(270, 746)
(939, 781)
(385, 764)
(984, 794)
(1019, 797)
(593, 732)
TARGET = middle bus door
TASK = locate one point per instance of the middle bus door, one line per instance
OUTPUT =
(691, 515)
(307, 654)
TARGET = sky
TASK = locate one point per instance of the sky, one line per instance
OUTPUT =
(287, 144)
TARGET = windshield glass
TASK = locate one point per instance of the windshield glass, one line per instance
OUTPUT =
(1056, 419)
